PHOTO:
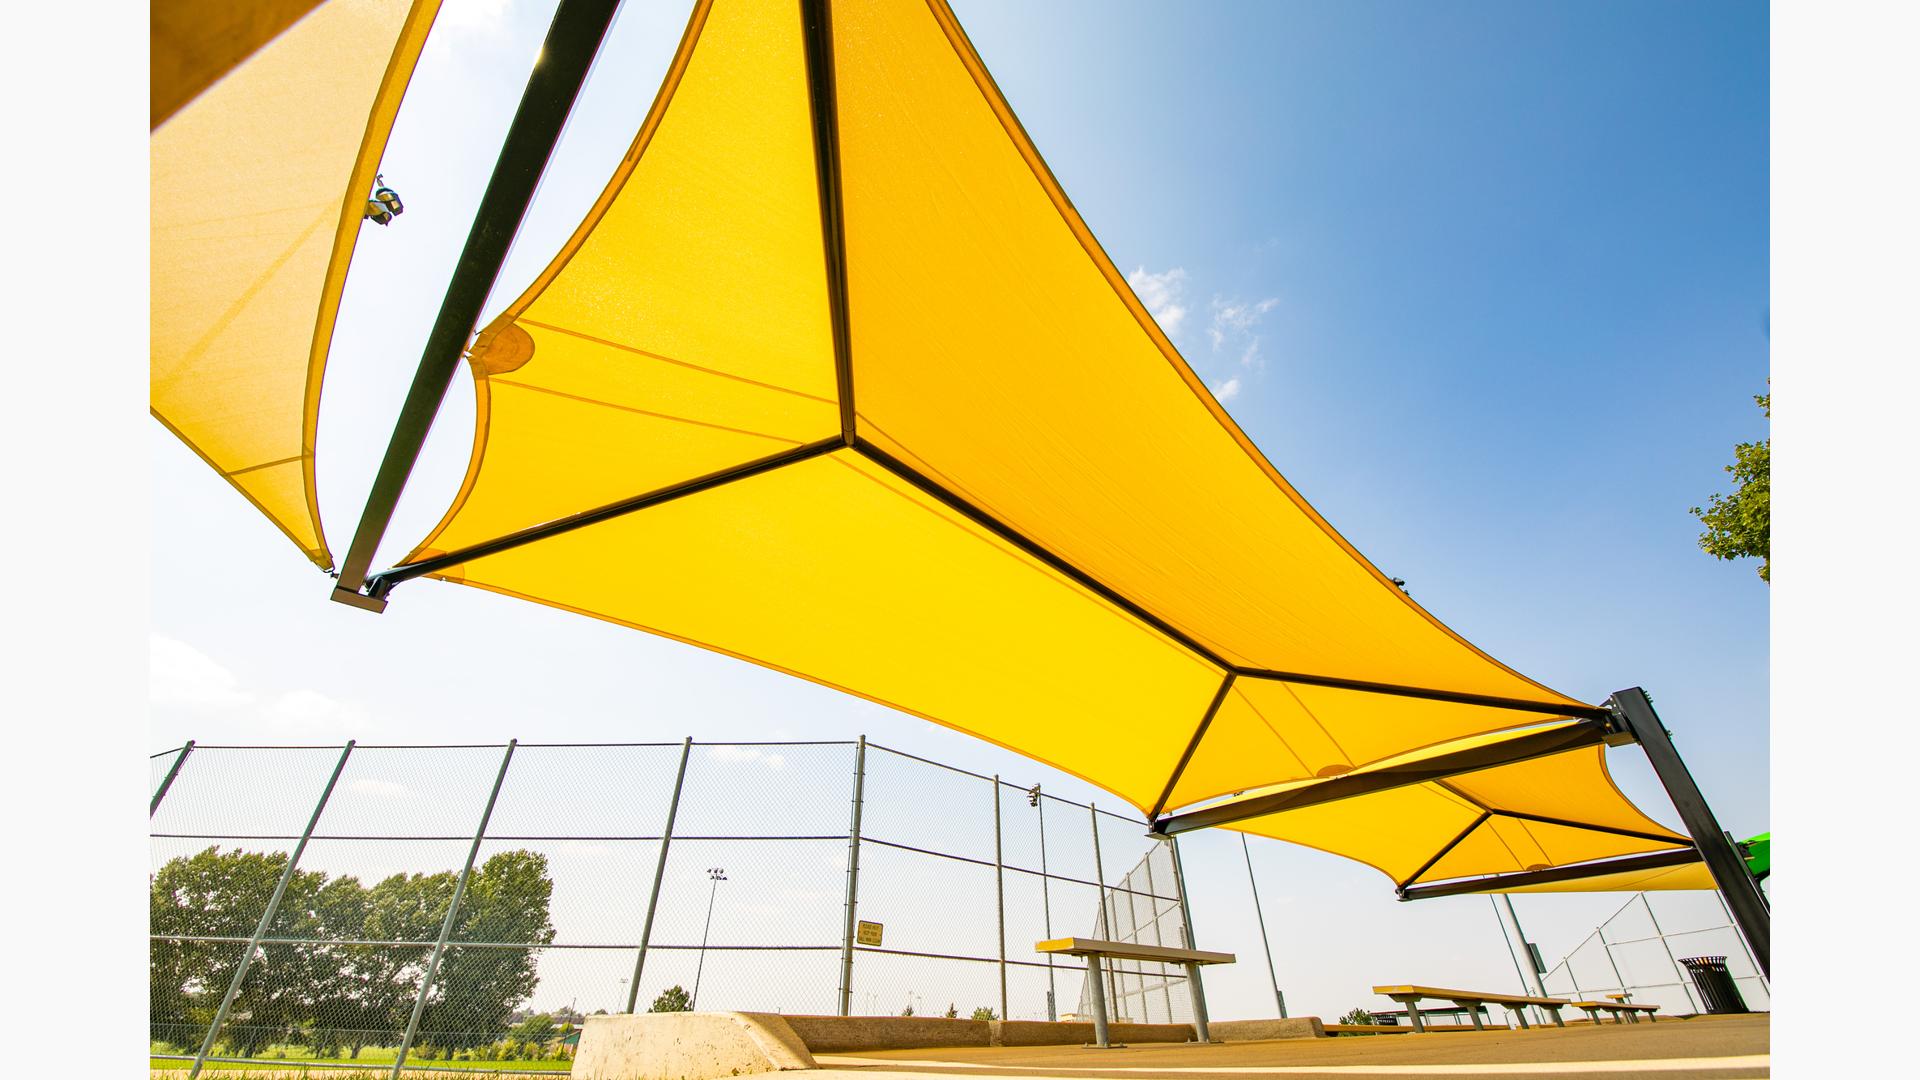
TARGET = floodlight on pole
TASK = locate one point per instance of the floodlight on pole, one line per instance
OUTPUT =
(718, 874)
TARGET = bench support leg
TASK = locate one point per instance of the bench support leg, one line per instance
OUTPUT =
(1413, 1012)
(1554, 1011)
(1520, 1014)
(1473, 1013)
(1199, 1004)
(1094, 978)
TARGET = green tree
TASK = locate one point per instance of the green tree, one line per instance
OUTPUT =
(672, 999)
(478, 988)
(952, 1012)
(1738, 524)
(908, 1011)
(536, 1028)
(1359, 1014)
(984, 1013)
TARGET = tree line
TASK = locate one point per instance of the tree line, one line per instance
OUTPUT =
(340, 993)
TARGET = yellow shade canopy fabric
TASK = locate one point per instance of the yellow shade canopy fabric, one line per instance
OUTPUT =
(193, 43)
(1548, 812)
(259, 186)
(834, 379)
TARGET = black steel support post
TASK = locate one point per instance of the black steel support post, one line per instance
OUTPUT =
(1658, 860)
(572, 40)
(1749, 909)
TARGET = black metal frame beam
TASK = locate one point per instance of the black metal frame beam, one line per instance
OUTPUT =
(816, 27)
(572, 40)
(1523, 747)
(1501, 882)
(385, 580)
(1485, 816)
(1593, 712)
(1744, 899)
(1199, 732)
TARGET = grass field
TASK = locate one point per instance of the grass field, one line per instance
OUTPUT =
(299, 1061)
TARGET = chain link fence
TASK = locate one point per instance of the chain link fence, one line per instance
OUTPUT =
(464, 907)
(1638, 949)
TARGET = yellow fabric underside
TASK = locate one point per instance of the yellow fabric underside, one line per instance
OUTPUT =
(194, 43)
(258, 189)
(1140, 546)
(1401, 830)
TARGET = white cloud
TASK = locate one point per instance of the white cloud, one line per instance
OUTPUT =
(180, 676)
(1228, 390)
(1164, 294)
(1234, 320)
(747, 755)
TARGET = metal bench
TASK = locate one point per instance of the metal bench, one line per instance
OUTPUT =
(1619, 1009)
(1411, 996)
(1094, 950)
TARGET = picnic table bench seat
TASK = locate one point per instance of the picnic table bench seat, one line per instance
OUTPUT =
(1618, 1008)
(1411, 996)
(1094, 949)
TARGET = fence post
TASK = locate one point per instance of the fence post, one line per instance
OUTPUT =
(1000, 896)
(1193, 970)
(853, 877)
(1153, 895)
(659, 871)
(1601, 933)
(1046, 902)
(273, 903)
(1272, 976)
(453, 913)
(167, 781)
(1678, 975)
(1100, 873)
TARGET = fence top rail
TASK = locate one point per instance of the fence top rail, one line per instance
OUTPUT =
(164, 753)
(1002, 781)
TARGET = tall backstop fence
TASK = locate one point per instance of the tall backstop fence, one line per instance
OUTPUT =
(459, 906)
(1638, 950)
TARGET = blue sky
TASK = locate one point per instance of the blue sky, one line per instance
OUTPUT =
(1488, 282)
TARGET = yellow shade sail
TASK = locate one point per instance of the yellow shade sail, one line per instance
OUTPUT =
(259, 185)
(834, 379)
(1548, 812)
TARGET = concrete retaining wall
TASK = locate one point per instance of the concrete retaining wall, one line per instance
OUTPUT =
(1077, 1033)
(839, 1034)
(1299, 1027)
(687, 1046)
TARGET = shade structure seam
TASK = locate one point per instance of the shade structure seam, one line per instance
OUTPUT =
(1614, 830)
(1034, 548)
(816, 29)
(624, 347)
(302, 456)
(1199, 732)
(1573, 872)
(1315, 717)
(688, 420)
(1442, 853)
(386, 579)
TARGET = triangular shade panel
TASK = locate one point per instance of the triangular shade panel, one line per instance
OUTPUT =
(259, 186)
(834, 379)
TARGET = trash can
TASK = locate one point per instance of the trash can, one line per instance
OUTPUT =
(1715, 984)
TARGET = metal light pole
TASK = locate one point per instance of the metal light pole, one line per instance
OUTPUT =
(1279, 999)
(718, 874)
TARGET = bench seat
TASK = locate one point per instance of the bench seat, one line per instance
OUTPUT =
(1411, 996)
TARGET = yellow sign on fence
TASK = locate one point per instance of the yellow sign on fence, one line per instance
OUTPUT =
(868, 933)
